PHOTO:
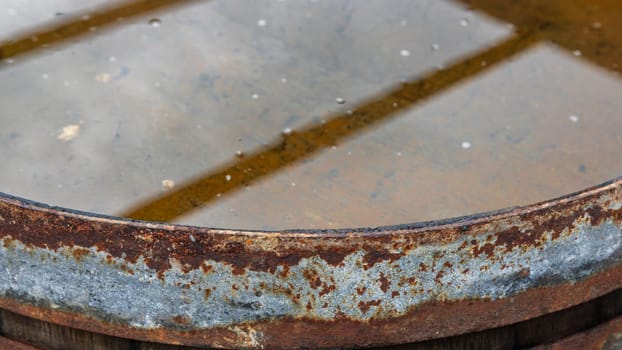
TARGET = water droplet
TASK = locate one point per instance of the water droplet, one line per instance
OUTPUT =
(340, 100)
(435, 47)
(239, 154)
(283, 80)
(112, 59)
(155, 22)
(255, 96)
(404, 53)
(11, 12)
(262, 22)
(466, 144)
(45, 76)
(464, 22)
(293, 184)
(576, 53)
(228, 177)
(286, 131)
(573, 118)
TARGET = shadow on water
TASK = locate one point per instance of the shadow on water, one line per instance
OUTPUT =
(82, 24)
(300, 144)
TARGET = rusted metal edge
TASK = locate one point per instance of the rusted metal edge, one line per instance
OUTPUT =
(607, 336)
(345, 288)
(6, 343)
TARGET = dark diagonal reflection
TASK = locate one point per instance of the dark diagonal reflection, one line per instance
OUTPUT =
(82, 24)
(304, 143)
(582, 28)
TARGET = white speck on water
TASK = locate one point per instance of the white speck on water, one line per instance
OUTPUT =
(228, 177)
(255, 96)
(155, 22)
(11, 12)
(465, 144)
(45, 76)
(262, 22)
(239, 153)
(576, 53)
(286, 131)
(69, 132)
(340, 100)
(112, 59)
(464, 22)
(283, 80)
(404, 53)
(167, 184)
(435, 47)
(573, 118)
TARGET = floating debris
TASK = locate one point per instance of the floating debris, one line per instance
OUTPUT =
(69, 132)
(167, 184)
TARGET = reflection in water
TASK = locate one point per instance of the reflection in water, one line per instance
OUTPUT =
(301, 144)
(81, 24)
(175, 117)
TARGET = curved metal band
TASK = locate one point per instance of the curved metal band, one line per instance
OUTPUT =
(358, 287)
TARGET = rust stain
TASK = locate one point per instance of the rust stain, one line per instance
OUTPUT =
(384, 282)
(276, 253)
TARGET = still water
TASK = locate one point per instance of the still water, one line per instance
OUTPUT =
(307, 114)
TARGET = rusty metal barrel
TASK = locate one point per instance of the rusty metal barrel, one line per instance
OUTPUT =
(377, 128)
(311, 289)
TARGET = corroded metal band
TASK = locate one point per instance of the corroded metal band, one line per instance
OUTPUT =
(224, 288)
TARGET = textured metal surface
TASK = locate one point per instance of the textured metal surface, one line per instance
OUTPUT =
(363, 287)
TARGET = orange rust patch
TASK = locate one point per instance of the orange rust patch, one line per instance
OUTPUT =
(79, 253)
(365, 305)
(384, 282)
